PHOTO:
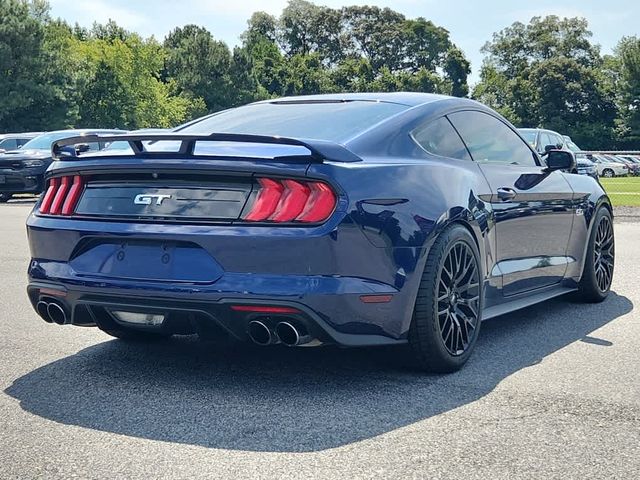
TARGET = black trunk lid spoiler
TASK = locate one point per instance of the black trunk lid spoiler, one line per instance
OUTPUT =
(319, 150)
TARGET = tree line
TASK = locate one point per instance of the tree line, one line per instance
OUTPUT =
(545, 73)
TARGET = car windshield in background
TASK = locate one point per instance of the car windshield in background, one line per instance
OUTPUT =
(43, 142)
(529, 136)
(333, 121)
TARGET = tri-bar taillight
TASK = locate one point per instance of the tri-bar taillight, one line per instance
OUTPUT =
(287, 200)
(62, 195)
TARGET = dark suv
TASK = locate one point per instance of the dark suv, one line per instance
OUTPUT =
(22, 170)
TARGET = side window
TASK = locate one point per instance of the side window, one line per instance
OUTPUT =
(546, 139)
(8, 144)
(440, 138)
(490, 140)
(557, 140)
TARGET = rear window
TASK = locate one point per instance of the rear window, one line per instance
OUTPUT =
(332, 121)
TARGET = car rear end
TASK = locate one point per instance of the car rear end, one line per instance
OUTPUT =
(195, 240)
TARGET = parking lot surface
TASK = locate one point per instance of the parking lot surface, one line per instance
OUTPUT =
(552, 391)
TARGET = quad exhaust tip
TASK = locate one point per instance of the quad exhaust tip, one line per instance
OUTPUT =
(288, 334)
(57, 314)
(51, 312)
(43, 310)
(260, 333)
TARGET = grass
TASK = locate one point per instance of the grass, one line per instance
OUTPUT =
(623, 191)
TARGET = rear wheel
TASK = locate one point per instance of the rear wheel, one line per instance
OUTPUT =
(608, 173)
(5, 197)
(597, 273)
(447, 314)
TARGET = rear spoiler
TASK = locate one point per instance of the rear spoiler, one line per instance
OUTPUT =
(320, 150)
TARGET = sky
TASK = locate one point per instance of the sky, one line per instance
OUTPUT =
(470, 23)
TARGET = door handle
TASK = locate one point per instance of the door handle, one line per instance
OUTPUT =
(506, 193)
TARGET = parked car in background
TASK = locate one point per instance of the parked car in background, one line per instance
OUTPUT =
(541, 139)
(607, 167)
(14, 141)
(22, 170)
(633, 163)
(632, 167)
(584, 165)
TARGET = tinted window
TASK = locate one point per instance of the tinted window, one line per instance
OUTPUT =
(490, 140)
(334, 121)
(440, 138)
(8, 144)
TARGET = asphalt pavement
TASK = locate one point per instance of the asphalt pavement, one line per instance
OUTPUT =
(552, 391)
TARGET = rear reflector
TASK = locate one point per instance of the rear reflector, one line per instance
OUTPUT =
(376, 298)
(62, 195)
(263, 309)
(283, 201)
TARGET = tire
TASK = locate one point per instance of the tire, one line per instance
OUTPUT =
(132, 335)
(5, 197)
(444, 305)
(608, 173)
(597, 273)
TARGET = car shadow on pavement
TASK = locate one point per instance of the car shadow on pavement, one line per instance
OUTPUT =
(287, 400)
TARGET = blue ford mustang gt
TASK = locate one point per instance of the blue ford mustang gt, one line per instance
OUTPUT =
(354, 219)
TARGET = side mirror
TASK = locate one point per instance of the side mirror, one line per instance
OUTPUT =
(82, 147)
(560, 160)
(548, 148)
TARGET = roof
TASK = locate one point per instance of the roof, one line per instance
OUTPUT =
(410, 99)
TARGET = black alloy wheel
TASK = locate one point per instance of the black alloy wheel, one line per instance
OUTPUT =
(597, 273)
(458, 299)
(448, 311)
(604, 253)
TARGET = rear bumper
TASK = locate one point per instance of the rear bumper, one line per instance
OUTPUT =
(322, 271)
(191, 313)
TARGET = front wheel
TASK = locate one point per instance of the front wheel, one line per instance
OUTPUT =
(597, 273)
(5, 197)
(608, 173)
(447, 314)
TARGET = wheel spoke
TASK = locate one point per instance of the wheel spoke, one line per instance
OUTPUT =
(458, 301)
(604, 254)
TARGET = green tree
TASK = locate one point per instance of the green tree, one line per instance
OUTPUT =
(34, 82)
(625, 70)
(200, 66)
(548, 74)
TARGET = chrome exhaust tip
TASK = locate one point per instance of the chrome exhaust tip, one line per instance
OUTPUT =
(57, 314)
(291, 336)
(259, 333)
(43, 310)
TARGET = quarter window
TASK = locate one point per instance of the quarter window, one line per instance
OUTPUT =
(440, 138)
(490, 140)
